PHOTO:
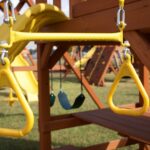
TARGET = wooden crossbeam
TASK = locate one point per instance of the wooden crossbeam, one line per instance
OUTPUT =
(105, 21)
(92, 6)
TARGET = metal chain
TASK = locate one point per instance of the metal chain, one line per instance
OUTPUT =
(81, 75)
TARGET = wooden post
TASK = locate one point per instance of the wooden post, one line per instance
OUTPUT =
(57, 3)
(144, 77)
(41, 1)
(44, 103)
(71, 4)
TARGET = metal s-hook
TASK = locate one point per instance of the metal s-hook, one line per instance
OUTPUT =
(126, 51)
(7, 4)
(121, 18)
(3, 55)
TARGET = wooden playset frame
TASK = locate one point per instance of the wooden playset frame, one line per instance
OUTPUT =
(85, 17)
(48, 123)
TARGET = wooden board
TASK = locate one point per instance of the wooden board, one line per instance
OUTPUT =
(137, 128)
(140, 45)
(92, 6)
(104, 20)
(102, 65)
(98, 65)
(91, 63)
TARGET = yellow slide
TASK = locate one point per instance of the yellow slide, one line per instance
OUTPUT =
(26, 79)
(31, 21)
(85, 58)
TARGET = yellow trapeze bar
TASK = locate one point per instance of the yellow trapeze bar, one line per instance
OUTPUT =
(24, 36)
(16, 36)
(127, 69)
(6, 74)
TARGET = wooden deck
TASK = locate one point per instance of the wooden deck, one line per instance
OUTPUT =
(137, 128)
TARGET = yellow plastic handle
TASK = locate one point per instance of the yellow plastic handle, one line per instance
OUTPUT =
(127, 69)
(7, 76)
(121, 3)
(85, 58)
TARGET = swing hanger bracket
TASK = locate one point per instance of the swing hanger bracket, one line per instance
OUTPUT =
(8, 4)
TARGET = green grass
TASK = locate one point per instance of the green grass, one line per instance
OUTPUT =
(79, 136)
